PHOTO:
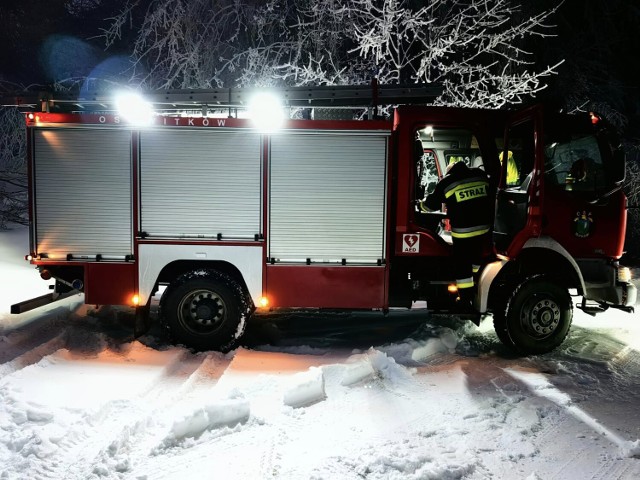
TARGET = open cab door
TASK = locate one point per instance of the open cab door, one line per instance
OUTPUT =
(520, 191)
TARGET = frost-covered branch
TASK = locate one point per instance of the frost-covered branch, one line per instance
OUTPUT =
(477, 49)
(471, 47)
(13, 171)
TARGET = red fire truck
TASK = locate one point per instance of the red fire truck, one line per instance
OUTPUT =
(321, 213)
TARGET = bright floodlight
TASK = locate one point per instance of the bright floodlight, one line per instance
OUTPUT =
(134, 109)
(265, 110)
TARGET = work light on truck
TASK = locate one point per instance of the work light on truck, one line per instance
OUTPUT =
(134, 109)
(265, 110)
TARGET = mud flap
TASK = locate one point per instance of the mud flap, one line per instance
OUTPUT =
(142, 321)
(476, 318)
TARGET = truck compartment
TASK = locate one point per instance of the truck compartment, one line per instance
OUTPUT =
(83, 192)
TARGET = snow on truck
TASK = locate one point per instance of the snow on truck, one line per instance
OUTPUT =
(321, 213)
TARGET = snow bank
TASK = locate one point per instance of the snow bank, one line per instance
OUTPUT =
(400, 463)
(631, 449)
(359, 371)
(227, 412)
(306, 388)
(374, 364)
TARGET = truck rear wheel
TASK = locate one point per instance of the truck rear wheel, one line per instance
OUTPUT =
(537, 316)
(203, 310)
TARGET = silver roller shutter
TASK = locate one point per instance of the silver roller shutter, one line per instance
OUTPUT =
(83, 192)
(327, 197)
(200, 183)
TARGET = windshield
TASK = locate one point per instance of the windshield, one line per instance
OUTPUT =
(582, 154)
(576, 164)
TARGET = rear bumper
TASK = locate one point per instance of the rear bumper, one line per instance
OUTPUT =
(603, 285)
(631, 293)
(620, 295)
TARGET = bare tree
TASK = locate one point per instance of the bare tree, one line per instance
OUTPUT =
(13, 174)
(472, 47)
(632, 189)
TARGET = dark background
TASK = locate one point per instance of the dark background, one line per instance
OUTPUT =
(598, 40)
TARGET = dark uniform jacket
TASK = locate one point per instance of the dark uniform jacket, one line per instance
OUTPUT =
(467, 194)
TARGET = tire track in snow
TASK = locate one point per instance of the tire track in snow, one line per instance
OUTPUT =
(190, 372)
(271, 457)
(98, 443)
(32, 355)
(72, 458)
(613, 444)
(614, 469)
(334, 468)
(196, 373)
(626, 362)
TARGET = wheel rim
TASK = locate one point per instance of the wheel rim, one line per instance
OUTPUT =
(202, 311)
(540, 316)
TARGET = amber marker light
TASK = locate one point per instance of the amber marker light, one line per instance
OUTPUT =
(452, 288)
(264, 302)
(135, 300)
(624, 275)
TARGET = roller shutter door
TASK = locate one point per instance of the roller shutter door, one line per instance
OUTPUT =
(200, 183)
(327, 197)
(83, 192)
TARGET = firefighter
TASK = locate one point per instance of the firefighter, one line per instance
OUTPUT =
(513, 175)
(466, 192)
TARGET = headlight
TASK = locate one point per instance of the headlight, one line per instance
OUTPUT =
(624, 275)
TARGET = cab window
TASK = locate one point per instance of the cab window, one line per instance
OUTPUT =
(427, 173)
(435, 149)
(575, 164)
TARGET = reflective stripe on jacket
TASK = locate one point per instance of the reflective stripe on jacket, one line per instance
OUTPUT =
(469, 199)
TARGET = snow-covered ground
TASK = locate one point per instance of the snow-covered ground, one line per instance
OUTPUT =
(407, 397)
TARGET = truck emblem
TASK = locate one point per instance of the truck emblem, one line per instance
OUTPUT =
(411, 243)
(582, 224)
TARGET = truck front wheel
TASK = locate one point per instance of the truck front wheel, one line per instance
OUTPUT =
(202, 310)
(537, 316)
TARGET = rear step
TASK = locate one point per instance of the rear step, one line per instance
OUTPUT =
(41, 301)
(593, 308)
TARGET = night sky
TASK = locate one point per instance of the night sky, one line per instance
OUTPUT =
(42, 41)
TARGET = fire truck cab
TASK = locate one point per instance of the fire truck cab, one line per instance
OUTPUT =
(321, 213)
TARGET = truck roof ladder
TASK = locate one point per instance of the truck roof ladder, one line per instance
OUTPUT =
(341, 96)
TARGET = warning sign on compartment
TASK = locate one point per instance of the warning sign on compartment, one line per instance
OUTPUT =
(411, 243)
